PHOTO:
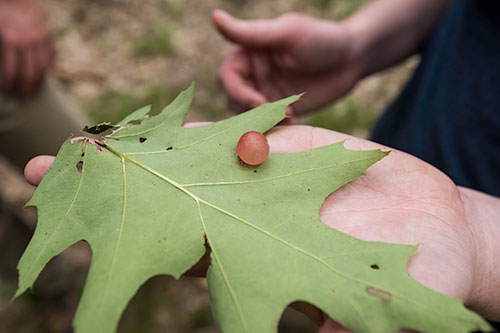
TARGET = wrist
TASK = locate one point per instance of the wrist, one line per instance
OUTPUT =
(482, 213)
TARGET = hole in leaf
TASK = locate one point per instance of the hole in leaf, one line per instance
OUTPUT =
(169, 148)
(300, 316)
(201, 267)
(141, 139)
(374, 266)
(79, 166)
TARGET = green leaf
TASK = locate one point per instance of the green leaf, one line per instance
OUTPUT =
(147, 198)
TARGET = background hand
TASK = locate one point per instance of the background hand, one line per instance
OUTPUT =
(401, 200)
(291, 54)
(27, 47)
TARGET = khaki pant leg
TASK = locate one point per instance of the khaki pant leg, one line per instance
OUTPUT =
(38, 125)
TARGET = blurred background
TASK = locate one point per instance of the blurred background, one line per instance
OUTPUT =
(114, 56)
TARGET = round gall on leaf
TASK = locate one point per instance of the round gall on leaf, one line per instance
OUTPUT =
(253, 148)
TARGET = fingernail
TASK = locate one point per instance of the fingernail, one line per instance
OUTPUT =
(289, 111)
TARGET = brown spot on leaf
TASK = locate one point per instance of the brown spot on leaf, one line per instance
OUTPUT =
(83, 154)
(383, 295)
(79, 166)
(308, 190)
(169, 148)
(141, 139)
(255, 171)
(374, 266)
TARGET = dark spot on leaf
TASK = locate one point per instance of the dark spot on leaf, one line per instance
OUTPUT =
(220, 145)
(79, 166)
(141, 139)
(83, 154)
(383, 295)
(170, 148)
(333, 291)
(374, 266)
(255, 171)
(308, 190)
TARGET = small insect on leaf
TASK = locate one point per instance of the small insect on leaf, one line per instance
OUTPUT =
(253, 148)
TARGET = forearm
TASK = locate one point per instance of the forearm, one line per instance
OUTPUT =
(482, 212)
(388, 31)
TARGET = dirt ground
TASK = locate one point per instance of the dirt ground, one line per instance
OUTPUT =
(114, 57)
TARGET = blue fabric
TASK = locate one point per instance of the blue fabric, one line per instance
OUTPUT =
(449, 113)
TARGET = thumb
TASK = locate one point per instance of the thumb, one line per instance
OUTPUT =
(37, 168)
(251, 33)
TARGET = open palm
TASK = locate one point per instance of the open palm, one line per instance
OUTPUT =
(401, 200)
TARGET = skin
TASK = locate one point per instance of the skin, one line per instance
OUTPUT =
(27, 47)
(296, 53)
(407, 201)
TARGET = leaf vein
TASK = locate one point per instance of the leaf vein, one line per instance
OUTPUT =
(275, 177)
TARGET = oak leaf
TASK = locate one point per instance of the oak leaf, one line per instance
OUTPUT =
(148, 196)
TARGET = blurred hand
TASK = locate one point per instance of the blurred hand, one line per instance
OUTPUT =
(401, 200)
(291, 54)
(26, 46)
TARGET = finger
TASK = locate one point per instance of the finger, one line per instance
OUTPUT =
(234, 75)
(9, 60)
(196, 124)
(269, 80)
(36, 168)
(262, 71)
(289, 121)
(252, 33)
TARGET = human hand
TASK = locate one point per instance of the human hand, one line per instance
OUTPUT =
(401, 200)
(291, 54)
(27, 47)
